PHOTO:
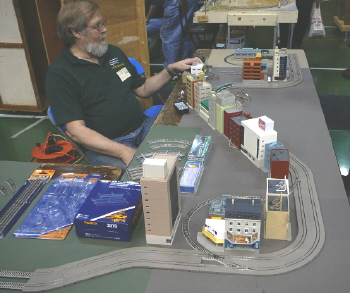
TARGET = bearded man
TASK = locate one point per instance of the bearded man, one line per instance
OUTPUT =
(92, 86)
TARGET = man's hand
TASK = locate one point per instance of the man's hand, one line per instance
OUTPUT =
(155, 82)
(183, 65)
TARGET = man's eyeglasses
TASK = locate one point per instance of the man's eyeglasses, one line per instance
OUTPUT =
(100, 25)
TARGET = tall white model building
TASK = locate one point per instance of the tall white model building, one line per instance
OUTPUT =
(280, 58)
(160, 198)
(257, 133)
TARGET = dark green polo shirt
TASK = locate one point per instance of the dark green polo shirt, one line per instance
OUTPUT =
(100, 94)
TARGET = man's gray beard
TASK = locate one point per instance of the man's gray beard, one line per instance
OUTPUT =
(97, 50)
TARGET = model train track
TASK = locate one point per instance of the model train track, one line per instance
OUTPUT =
(11, 285)
(294, 77)
(10, 213)
(15, 274)
(195, 245)
(309, 239)
(307, 244)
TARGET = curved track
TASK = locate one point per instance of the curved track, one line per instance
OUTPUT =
(303, 249)
(294, 77)
(308, 242)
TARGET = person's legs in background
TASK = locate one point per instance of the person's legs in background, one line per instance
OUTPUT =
(153, 26)
(175, 47)
(153, 35)
(188, 46)
(170, 32)
(304, 10)
(284, 33)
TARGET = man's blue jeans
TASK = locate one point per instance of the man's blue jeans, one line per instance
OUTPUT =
(133, 139)
(171, 32)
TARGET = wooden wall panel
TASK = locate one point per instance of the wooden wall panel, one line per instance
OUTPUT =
(47, 12)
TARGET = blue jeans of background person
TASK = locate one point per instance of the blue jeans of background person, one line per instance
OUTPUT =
(174, 47)
(153, 26)
(133, 139)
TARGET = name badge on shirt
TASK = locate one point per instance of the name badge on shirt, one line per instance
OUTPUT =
(123, 74)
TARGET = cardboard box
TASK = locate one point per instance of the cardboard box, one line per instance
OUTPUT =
(200, 148)
(191, 177)
(111, 211)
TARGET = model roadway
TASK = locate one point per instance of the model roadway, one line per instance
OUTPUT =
(306, 245)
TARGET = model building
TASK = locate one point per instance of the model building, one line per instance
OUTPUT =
(277, 209)
(257, 132)
(234, 221)
(160, 199)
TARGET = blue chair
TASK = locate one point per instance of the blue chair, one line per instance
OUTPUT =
(65, 134)
(137, 65)
(52, 119)
(152, 111)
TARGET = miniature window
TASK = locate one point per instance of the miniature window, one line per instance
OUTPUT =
(231, 223)
(238, 223)
(245, 230)
(230, 229)
(254, 224)
(246, 223)
(238, 229)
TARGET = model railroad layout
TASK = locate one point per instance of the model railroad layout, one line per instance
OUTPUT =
(306, 245)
